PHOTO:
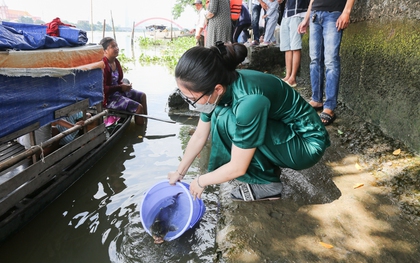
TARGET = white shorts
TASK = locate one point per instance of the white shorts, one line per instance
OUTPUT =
(290, 39)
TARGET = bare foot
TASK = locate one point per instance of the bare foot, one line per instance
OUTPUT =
(291, 82)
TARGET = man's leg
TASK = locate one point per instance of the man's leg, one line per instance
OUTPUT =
(316, 67)
(332, 41)
(255, 21)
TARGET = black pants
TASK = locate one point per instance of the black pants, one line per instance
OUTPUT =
(200, 42)
(238, 30)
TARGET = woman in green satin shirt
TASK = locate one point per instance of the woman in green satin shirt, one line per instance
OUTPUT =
(256, 121)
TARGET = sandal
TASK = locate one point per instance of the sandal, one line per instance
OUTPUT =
(257, 192)
(326, 118)
(317, 108)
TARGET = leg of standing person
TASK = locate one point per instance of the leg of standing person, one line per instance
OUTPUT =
(255, 22)
(238, 30)
(316, 66)
(325, 43)
(285, 46)
(332, 41)
(271, 24)
(246, 32)
(293, 56)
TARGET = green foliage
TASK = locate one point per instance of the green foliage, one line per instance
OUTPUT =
(170, 53)
(180, 6)
(145, 42)
(26, 20)
(124, 60)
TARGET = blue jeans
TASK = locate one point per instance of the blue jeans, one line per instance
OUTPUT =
(256, 12)
(324, 50)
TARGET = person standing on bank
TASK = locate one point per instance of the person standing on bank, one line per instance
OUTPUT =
(242, 24)
(256, 122)
(257, 5)
(119, 95)
(219, 27)
(271, 16)
(290, 39)
(327, 19)
(201, 22)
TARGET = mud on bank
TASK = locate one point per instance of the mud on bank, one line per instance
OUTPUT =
(375, 222)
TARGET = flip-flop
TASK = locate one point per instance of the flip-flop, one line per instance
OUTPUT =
(326, 118)
(291, 85)
(248, 195)
(319, 108)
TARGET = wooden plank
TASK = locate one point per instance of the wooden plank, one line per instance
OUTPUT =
(9, 184)
(19, 133)
(12, 149)
(38, 148)
(72, 109)
(53, 172)
(15, 169)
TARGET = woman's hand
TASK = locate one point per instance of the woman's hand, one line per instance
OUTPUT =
(174, 177)
(209, 15)
(126, 87)
(195, 189)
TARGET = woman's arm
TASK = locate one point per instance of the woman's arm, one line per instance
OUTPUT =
(212, 11)
(236, 167)
(194, 147)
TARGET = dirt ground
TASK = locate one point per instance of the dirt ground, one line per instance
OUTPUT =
(359, 204)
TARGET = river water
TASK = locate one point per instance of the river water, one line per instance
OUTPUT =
(98, 218)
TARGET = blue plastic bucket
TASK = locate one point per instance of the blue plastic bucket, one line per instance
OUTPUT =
(188, 213)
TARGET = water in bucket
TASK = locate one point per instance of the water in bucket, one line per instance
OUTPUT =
(186, 213)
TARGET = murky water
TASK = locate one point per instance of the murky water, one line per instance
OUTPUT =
(98, 218)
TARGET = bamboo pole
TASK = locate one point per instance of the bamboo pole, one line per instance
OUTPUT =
(113, 27)
(141, 115)
(38, 148)
(103, 29)
(132, 34)
(91, 19)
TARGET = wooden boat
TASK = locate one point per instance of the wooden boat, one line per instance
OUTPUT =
(27, 186)
(36, 95)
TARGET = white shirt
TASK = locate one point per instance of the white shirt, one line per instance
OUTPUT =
(201, 22)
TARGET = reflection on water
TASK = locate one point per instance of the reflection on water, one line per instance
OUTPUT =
(98, 218)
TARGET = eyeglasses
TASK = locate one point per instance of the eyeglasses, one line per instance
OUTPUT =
(187, 100)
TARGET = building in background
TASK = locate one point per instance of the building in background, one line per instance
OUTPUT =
(11, 15)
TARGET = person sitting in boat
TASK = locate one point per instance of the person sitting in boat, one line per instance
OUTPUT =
(119, 94)
(69, 122)
(41, 135)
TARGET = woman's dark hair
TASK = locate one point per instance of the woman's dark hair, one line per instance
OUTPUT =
(105, 42)
(200, 69)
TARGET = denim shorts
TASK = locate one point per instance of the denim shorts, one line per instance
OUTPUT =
(290, 39)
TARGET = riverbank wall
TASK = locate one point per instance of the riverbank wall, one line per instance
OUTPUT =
(380, 69)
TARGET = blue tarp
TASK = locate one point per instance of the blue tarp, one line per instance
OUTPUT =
(22, 36)
(27, 99)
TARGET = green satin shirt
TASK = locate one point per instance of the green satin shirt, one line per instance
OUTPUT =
(260, 111)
